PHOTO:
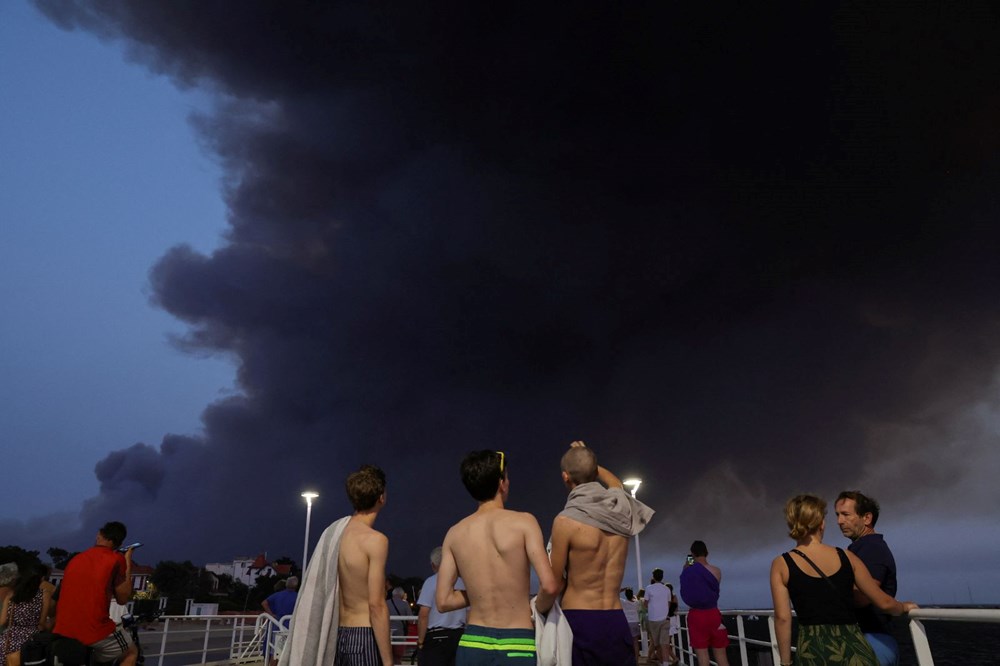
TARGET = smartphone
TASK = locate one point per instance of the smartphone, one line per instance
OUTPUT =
(131, 545)
(690, 560)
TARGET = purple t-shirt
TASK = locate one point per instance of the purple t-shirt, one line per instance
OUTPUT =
(699, 587)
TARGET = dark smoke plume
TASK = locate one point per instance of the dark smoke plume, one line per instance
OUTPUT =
(743, 253)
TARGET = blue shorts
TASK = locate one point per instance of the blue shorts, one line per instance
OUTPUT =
(486, 646)
(885, 647)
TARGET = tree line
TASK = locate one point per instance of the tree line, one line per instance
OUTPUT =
(180, 581)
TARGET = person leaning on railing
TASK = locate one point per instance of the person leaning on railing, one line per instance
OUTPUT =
(819, 581)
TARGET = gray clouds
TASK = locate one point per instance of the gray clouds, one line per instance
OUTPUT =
(742, 253)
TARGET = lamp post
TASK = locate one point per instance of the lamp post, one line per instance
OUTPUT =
(633, 487)
(309, 497)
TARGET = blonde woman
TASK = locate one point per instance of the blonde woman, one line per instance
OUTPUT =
(819, 581)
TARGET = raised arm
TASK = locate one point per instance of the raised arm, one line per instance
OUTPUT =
(871, 589)
(378, 612)
(782, 609)
(123, 586)
(603, 474)
(446, 596)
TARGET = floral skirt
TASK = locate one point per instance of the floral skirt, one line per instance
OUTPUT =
(833, 645)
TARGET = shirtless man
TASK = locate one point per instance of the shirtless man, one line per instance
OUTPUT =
(589, 546)
(363, 635)
(340, 613)
(493, 548)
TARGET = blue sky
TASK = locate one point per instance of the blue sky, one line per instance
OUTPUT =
(100, 174)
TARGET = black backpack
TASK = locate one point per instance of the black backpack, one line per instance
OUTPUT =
(63, 651)
(35, 651)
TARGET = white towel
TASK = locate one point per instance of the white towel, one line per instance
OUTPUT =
(312, 633)
(553, 636)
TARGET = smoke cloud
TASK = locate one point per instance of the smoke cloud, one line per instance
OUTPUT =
(743, 255)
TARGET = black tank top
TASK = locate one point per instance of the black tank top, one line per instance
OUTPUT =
(815, 601)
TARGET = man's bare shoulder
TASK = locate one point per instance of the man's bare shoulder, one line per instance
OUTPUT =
(568, 526)
(375, 539)
(456, 530)
(521, 517)
(364, 536)
(567, 523)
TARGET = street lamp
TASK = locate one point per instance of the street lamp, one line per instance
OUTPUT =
(633, 487)
(309, 497)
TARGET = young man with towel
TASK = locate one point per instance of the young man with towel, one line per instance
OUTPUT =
(340, 614)
(589, 547)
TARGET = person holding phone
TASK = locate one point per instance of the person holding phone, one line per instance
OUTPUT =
(92, 578)
(700, 583)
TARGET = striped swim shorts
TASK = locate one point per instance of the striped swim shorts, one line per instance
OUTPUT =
(485, 646)
(356, 646)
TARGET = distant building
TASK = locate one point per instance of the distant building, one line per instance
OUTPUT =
(246, 569)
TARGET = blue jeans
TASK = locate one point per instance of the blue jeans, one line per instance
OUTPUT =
(886, 648)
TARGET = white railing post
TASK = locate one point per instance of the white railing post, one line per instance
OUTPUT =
(683, 636)
(921, 646)
(163, 640)
(775, 655)
(204, 645)
(741, 635)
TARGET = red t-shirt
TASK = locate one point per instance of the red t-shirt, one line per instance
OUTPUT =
(85, 595)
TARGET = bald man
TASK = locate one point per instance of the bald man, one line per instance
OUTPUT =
(589, 548)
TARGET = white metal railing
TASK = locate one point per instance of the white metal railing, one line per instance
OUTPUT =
(270, 634)
(920, 643)
(198, 639)
(236, 639)
(916, 618)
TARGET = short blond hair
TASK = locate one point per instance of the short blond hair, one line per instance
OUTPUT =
(804, 515)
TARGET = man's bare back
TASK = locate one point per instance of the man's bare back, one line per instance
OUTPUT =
(493, 549)
(361, 570)
(594, 562)
(363, 552)
(591, 559)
